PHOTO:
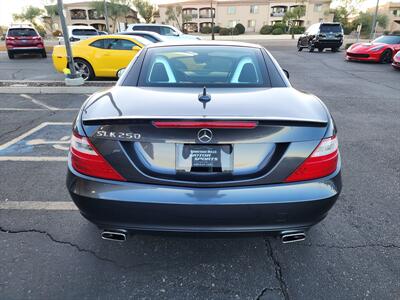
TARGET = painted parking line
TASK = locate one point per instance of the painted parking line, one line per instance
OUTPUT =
(37, 102)
(36, 109)
(37, 205)
(48, 141)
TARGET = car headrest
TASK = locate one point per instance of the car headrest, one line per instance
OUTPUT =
(159, 73)
(248, 74)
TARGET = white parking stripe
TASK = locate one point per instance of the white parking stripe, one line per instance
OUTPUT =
(40, 103)
(35, 109)
(33, 158)
(37, 205)
(29, 132)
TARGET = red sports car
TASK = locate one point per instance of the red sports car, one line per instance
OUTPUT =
(396, 61)
(380, 50)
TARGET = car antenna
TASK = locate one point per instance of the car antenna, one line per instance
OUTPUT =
(204, 97)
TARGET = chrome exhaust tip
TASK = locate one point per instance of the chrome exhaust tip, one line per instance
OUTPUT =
(292, 237)
(114, 235)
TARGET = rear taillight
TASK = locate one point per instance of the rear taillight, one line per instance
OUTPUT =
(86, 160)
(322, 162)
(10, 38)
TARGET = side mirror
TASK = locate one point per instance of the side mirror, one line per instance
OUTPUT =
(121, 72)
(136, 48)
(286, 73)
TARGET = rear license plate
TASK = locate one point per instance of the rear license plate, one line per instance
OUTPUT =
(204, 158)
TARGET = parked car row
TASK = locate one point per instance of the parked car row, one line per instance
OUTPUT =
(384, 49)
(105, 55)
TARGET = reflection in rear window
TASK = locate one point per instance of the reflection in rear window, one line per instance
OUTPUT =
(22, 32)
(192, 66)
(330, 28)
(84, 32)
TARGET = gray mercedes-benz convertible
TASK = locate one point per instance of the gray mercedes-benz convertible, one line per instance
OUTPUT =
(204, 136)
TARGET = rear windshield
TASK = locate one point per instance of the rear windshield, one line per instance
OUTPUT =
(84, 32)
(192, 66)
(330, 28)
(22, 32)
(388, 39)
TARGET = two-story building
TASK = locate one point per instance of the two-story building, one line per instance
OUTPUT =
(392, 10)
(83, 13)
(253, 14)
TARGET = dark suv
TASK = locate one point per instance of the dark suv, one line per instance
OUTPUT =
(320, 36)
(24, 39)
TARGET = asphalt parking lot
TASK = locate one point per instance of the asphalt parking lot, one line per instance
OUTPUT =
(48, 251)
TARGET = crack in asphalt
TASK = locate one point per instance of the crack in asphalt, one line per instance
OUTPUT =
(53, 239)
(265, 290)
(50, 113)
(350, 246)
(278, 270)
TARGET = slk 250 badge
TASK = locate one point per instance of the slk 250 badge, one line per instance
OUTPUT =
(118, 135)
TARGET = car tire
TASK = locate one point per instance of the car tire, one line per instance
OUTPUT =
(311, 47)
(335, 49)
(44, 55)
(10, 54)
(85, 68)
(386, 57)
(320, 49)
(299, 48)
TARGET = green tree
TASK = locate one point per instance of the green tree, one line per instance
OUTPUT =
(115, 9)
(366, 19)
(51, 12)
(174, 13)
(30, 14)
(145, 9)
(293, 14)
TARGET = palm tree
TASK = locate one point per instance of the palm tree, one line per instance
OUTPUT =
(115, 9)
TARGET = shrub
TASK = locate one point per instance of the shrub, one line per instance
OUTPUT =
(396, 32)
(224, 31)
(40, 29)
(216, 29)
(297, 30)
(57, 33)
(277, 31)
(279, 25)
(347, 46)
(228, 31)
(386, 32)
(205, 30)
(240, 28)
(266, 29)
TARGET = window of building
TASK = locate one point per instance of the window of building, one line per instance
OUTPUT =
(254, 9)
(318, 7)
(231, 10)
(232, 23)
(251, 23)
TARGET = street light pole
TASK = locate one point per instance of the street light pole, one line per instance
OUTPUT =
(106, 16)
(372, 35)
(70, 58)
(212, 21)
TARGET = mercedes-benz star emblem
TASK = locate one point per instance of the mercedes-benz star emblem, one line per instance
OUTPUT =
(205, 135)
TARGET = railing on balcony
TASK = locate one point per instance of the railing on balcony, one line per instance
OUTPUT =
(278, 11)
(78, 14)
(95, 15)
(206, 13)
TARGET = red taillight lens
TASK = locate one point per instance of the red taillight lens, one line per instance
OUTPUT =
(86, 160)
(10, 38)
(206, 124)
(322, 162)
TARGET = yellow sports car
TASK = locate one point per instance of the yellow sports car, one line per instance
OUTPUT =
(101, 56)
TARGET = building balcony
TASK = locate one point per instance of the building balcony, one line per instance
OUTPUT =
(278, 14)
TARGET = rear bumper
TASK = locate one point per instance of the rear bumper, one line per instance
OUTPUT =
(134, 206)
(26, 49)
(328, 44)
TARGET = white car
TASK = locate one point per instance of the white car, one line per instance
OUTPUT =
(168, 31)
(78, 33)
